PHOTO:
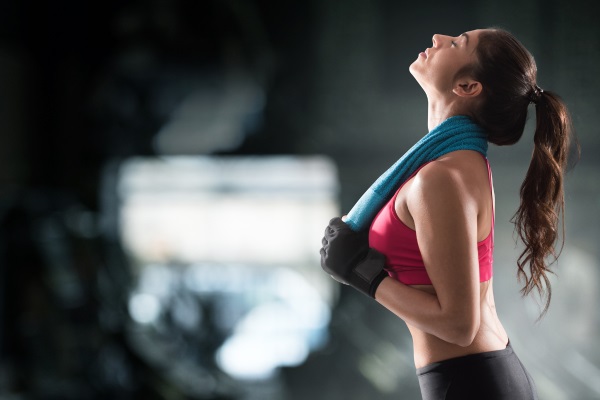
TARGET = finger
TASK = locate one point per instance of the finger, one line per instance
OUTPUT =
(337, 223)
(331, 232)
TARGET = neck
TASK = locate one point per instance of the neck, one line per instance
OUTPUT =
(439, 110)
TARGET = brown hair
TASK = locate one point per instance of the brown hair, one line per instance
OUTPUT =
(508, 73)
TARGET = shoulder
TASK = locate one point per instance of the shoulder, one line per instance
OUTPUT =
(446, 173)
(455, 176)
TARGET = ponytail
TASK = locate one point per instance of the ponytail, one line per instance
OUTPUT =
(508, 74)
(541, 210)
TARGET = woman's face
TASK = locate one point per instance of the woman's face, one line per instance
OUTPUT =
(435, 69)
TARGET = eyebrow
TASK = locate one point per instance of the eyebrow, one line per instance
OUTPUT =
(466, 38)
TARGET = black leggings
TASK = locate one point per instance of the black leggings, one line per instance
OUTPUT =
(493, 375)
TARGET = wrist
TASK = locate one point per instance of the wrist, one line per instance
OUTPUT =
(369, 273)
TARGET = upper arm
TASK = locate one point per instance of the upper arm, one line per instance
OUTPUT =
(445, 217)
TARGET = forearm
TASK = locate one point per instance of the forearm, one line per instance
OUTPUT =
(424, 311)
(451, 314)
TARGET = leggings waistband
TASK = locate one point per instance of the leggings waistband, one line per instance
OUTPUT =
(451, 362)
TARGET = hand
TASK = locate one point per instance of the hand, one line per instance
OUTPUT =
(346, 256)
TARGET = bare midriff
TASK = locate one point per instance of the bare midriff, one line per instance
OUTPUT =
(490, 336)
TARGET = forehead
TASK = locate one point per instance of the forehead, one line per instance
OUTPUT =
(473, 38)
(476, 32)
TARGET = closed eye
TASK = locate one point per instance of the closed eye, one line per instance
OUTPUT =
(453, 43)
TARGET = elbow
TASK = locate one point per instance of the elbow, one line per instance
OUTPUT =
(464, 333)
(465, 339)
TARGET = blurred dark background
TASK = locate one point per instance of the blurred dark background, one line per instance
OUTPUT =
(100, 101)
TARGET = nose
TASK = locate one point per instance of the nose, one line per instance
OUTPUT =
(438, 39)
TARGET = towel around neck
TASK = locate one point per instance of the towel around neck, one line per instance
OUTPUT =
(455, 133)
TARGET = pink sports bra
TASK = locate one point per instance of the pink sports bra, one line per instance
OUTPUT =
(390, 236)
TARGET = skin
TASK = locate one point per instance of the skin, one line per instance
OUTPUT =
(449, 204)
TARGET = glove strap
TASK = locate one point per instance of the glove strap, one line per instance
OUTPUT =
(370, 272)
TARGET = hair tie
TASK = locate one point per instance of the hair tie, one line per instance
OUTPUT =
(536, 94)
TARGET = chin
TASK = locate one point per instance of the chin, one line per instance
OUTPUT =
(415, 69)
(415, 73)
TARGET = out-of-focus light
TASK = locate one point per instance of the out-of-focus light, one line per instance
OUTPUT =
(144, 308)
(240, 235)
(260, 210)
(281, 332)
(158, 280)
(256, 358)
(264, 341)
(302, 298)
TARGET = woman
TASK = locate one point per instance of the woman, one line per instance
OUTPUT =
(428, 254)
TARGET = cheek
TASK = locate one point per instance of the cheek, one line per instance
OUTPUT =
(441, 72)
(437, 73)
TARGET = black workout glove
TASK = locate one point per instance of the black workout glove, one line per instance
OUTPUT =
(346, 256)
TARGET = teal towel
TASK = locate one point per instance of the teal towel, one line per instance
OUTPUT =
(455, 133)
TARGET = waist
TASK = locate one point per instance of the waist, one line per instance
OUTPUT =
(429, 349)
(490, 336)
(456, 362)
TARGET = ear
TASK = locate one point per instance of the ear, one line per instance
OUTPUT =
(468, 88)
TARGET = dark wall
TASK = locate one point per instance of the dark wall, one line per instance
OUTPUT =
(83, 84)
